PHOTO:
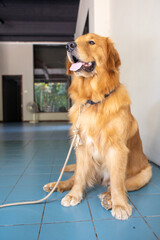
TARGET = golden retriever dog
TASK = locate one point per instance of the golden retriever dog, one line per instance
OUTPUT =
(108, 147)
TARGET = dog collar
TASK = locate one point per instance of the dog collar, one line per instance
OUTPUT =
(105, 96)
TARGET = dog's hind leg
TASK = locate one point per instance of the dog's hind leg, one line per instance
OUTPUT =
(105, 198)
(62, 186)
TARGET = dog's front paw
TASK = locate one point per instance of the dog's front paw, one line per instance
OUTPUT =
(121, 212)
(70, 200)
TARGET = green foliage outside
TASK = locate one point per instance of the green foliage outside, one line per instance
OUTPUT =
(51, 97)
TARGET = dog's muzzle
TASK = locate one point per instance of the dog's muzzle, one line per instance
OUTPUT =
(71, 46)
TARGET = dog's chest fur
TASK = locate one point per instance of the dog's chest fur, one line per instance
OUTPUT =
(97, 160)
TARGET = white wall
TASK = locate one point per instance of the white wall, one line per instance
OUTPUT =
(17, 59)
(134, 27)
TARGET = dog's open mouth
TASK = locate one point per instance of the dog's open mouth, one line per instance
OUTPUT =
(78, 65)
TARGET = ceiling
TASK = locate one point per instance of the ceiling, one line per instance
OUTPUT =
(38, 20)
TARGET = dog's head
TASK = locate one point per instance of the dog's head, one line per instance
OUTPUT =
(90, 53)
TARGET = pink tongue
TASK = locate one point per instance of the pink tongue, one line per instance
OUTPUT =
(76, 66)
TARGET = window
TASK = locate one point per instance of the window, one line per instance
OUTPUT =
(50, 82)
(52, 96)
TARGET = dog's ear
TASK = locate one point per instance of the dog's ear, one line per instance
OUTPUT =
(113, 59)
(68, 65)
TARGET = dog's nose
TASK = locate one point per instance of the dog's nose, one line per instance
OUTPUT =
(71, 46)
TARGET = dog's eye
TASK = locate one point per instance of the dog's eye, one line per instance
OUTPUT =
(91, 42)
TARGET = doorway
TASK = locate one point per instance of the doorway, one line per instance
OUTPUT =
(12, 98)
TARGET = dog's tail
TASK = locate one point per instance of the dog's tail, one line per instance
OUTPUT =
(139, 180)
(70, 168)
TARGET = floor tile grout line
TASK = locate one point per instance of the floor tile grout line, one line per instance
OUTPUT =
(92, 218)
(144, 219)
(145, 194)
(27, 142)
(40, 227)
(45, 223)
(75, 221)
(20, 224)
(114, 219)
(128, 195)
(19, 178)
(150, 228)
(78, 221)
(155, 185)
(39, 232)
(153, 216)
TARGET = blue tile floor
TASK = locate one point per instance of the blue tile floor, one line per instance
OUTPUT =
(31, 156)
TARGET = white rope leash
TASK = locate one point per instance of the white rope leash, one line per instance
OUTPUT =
(60, 176)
